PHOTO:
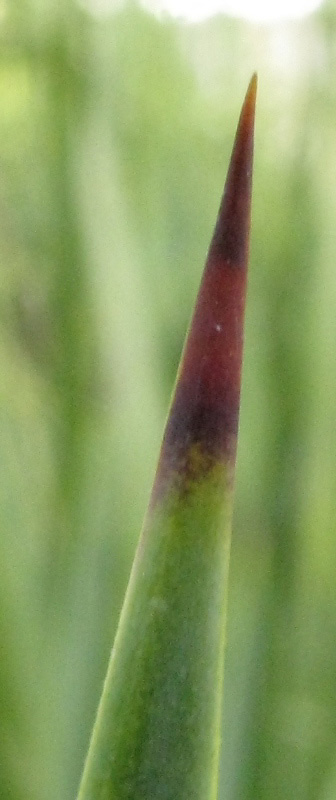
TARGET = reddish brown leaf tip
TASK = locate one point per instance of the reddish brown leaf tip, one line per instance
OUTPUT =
(205, 408)
(230, 240)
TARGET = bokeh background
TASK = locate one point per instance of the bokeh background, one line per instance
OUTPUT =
(116, 126)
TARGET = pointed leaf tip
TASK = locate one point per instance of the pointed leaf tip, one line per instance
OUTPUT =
(230, 240)
(205, 408)
(246, 121)
(251, 93)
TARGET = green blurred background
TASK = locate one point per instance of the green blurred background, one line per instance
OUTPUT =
(115, 134)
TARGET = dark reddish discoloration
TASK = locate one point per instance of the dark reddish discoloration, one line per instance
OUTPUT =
(205, 407)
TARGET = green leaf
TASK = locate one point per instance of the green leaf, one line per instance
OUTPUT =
(157, 732)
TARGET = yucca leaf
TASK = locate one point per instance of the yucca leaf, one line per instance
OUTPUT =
(157, 732)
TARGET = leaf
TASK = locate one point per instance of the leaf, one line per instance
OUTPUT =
(157, 732)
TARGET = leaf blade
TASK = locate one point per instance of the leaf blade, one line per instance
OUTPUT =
(157, 729)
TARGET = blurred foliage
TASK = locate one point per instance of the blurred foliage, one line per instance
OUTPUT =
(115, 135)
